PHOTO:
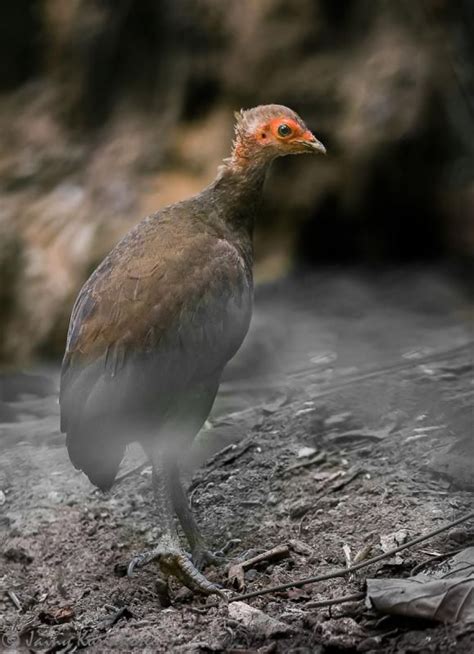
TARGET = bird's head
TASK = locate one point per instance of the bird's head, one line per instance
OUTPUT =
(270, 131)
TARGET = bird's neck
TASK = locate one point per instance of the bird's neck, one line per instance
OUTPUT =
(238, 188)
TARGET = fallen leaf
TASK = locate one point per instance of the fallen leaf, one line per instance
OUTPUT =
(445, 595)
(57, 616)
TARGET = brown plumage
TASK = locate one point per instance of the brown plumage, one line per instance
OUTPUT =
(156, 323)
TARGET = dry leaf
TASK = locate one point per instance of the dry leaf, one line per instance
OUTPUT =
(446, 595)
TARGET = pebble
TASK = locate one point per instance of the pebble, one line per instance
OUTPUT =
(257, 622)
(273, 499)
(305, 452)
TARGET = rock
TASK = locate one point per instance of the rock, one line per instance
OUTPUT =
(455, 462)
(68, 196)
(304, 452)
(392, 541)
(257, 622)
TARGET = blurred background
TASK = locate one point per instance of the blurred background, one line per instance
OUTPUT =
(110, 109)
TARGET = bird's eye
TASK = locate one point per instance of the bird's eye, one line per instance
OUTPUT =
(284, 130)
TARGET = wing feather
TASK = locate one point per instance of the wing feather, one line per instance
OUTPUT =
(160, 314)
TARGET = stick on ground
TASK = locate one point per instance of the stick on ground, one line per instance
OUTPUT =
(343, 572)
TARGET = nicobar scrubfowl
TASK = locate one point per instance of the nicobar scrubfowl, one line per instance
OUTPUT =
(155, 324)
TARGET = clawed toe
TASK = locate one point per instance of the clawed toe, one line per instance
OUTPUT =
(175, 563)
(179, 566)
(141, 560)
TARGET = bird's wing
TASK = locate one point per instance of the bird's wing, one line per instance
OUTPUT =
(159, 313)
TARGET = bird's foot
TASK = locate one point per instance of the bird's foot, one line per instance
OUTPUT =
(174, 562)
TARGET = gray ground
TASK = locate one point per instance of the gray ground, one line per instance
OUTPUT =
(373, 373)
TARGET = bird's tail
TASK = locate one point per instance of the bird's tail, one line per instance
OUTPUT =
(96, 453)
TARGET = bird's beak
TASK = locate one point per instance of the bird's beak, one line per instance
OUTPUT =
(311, 143)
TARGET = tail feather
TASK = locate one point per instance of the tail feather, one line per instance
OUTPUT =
(96, 454)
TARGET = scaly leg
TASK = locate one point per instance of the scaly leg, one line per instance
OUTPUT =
(168, 551)
(201, 555)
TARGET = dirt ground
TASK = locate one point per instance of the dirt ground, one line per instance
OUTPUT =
(351, 410)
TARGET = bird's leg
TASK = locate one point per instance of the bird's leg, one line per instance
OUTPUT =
(168, 552)
(201, 555)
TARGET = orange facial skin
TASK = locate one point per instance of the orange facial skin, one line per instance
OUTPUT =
(273, 137)
(270, 130)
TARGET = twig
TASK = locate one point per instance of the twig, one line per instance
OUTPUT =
(342, 572)
(236, 571)
(237, 453)
(347, 554)
(14, 599)
(210, 462)
(275, 554)
(355, 597)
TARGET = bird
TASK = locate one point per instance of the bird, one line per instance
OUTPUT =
(155, 324)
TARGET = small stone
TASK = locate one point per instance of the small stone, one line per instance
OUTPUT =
(304, 452)
(257, 622)
(272, 499)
